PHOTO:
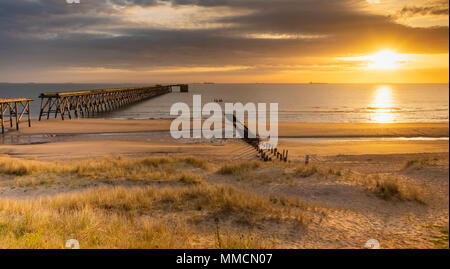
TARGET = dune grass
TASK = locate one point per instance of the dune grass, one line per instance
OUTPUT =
(29, 226)
(190, 178)
(246, 169)
(394, 188)
(387, 189)
(239, 169)
(118, 217)
(34, 181)
(306, 171)
(195, 162)
(167, 215)
(420, 163)
(32, 173)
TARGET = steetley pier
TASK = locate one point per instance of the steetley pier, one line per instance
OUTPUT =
(92, 102)
(13, 110)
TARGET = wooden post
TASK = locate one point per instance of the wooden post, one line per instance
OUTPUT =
(29, 113)
(49, 107)
(40, 112)
(2, 115)
(17, 116)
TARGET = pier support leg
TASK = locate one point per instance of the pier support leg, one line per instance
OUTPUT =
(10, 115)
(29, 113)
(17, 116)
(3, 122)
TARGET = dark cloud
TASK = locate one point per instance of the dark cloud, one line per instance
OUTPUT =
(52, 34)
(433, 8)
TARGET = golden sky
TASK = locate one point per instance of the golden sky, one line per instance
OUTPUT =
(234, 41)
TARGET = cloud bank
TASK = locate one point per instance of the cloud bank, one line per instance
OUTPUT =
(140, 35)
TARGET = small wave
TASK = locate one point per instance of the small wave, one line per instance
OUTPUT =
(377, 108)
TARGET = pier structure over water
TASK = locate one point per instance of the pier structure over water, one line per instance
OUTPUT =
(92, 102)
(13, 110)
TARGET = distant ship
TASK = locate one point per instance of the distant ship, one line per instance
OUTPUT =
(209, 83)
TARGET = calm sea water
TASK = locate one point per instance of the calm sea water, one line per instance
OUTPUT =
(297, 102)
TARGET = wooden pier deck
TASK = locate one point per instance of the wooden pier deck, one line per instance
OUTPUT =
(91, 102)
(13, 110)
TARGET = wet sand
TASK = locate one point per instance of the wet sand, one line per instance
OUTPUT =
(84, 138)
(286, 129)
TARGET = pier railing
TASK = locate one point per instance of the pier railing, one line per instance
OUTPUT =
(92, 102)
(13, 110)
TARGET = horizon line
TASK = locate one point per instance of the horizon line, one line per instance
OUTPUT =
(232, 83)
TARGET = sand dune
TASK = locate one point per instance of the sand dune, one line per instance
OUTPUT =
(335, 202)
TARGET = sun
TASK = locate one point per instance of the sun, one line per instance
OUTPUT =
(385, 59)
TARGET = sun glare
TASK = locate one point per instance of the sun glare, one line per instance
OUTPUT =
(385, 59)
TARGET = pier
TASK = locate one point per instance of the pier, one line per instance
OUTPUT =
(92, 102)
(13, 110)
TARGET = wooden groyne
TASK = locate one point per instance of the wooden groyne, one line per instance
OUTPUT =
(267, 153)
(13, 110)
(91, 102)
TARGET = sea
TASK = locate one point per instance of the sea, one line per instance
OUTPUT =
(346, 103)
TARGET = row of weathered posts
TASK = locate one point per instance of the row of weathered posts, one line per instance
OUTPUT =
(13, 110)
(266, 152)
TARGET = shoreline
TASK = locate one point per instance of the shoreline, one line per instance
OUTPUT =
(91, 138)
(286, 129)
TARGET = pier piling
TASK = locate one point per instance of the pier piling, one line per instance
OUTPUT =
(14, 109)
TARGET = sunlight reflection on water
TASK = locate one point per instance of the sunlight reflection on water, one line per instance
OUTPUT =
(383, 105)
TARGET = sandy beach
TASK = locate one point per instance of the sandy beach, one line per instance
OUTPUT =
(80, 138)
(286, 129)
(382, 181)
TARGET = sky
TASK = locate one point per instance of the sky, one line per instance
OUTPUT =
(225, 41)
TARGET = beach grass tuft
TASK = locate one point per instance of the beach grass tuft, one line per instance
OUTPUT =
(239, 169)
(306, 171)
(422, 162)
(190, 178)
(392, 188)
